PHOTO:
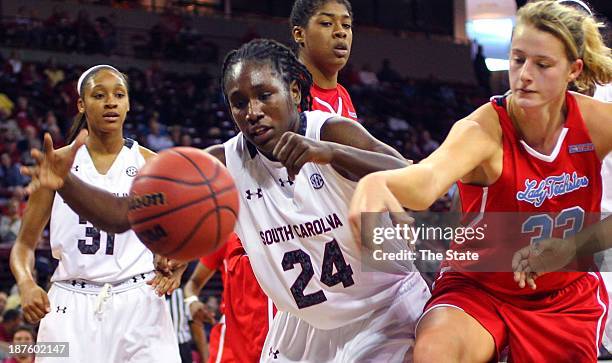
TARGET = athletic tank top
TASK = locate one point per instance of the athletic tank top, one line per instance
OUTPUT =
(556, 194)
(297, 236)
(83, 251)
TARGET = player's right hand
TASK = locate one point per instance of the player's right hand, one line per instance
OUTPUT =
(200, 312)
(34, 302)
(371, 196)
(52, 165)
(549, 255)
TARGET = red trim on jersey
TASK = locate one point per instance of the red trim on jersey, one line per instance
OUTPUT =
(335, 100)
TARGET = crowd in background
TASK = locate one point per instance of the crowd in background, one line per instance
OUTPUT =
(169, 109)
(172, 37)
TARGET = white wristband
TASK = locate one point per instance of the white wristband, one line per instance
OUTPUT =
(190, 300)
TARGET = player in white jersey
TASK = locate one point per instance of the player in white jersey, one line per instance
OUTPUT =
(100, 285)
(295, 174)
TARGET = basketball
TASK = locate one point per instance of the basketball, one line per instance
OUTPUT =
(183, 204)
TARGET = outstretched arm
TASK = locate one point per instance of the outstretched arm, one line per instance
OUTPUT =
(469, 144)
(345, 145)
(52, 171)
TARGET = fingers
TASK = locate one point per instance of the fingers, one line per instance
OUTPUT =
(161, 265)
(79, 141)
(47, 144)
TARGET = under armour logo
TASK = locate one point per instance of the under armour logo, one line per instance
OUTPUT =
(135, 279)
(76, 168)
(282, 182)
(75, 282)
(250, 194)
(63, 310)
(272, 353)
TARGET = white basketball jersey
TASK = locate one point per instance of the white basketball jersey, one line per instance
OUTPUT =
(299, 241)
(604, 93)
(83, 251)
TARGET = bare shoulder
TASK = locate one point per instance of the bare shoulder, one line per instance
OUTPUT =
(146, 153)
(484, 119)
(218, 151)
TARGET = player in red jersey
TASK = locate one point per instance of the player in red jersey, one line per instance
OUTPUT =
(247, 311)
(538, 150)
(323, 35)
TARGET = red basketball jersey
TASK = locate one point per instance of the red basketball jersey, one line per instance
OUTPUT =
(248, 311)
(336, 100)
(555, 192)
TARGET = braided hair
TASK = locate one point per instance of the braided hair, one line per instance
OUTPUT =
(282, 59)
(303, 10)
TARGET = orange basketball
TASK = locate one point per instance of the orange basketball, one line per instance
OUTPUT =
(183, 204)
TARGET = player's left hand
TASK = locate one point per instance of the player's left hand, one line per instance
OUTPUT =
(294, 150)
(549, 255)
(168, 275)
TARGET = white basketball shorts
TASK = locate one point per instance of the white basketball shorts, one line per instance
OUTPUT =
(125, 322)
(388, 335)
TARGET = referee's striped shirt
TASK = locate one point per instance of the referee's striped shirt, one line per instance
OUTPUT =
(180, 316)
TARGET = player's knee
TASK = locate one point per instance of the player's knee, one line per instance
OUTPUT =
(434, 346)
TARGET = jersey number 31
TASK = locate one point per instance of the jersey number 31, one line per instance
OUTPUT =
(332, 257)
(90, 248)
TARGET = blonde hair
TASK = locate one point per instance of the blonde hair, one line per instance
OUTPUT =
(580, 34)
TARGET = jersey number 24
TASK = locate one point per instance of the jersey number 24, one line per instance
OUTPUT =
(332, 257)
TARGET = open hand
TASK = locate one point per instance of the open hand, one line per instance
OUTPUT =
(52, 165)
(549, 255)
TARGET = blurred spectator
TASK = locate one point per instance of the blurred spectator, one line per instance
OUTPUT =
(186, 140)
(11, 320)
(15, 63)
(22, 335)
(367, 77)
(175, 134)
(3, 299)
(388, 74)
(10, 222)
(6, 105)
(10, 176)
(158, 139)
(428, 144)
(54, 74)
(483, 75)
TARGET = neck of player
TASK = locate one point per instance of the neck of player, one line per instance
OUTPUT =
(541, 126)
(326, 79)
(102, 143)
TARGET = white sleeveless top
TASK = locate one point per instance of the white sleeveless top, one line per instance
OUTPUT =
(83, 251)
(299, 241)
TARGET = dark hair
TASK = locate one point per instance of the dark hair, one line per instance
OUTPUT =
(303, 10)
(80, 122)
(280, 57)
(11, 315)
